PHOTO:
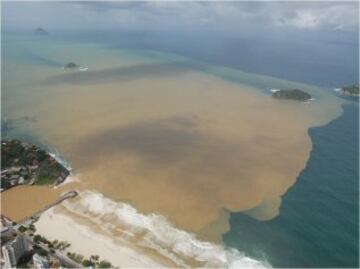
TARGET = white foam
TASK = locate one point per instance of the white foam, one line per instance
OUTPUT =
(274, 90)
(338, 90)
(69, 179)
(81, 69)
(60, 160)
(309, 101)
(157, 233)
(85, 241)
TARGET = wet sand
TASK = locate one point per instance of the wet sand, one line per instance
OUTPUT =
(87, 241)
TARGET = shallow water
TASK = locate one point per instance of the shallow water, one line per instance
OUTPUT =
(17, 205)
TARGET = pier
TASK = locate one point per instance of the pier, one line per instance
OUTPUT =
(9, 228)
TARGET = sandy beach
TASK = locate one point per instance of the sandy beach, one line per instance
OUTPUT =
(118, 233)
(58, 226)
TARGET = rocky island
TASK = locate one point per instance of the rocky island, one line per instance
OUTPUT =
(71, 65)
(292, 94)
(40, 31)
(352, 90)
(24, 163)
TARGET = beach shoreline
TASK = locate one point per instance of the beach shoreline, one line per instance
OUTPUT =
(55, 225)
(132, 239)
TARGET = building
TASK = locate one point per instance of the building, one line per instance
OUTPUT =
(40, 261)
(54, 262)
(14, 250)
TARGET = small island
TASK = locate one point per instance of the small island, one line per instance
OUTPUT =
(292, 94)
(40, 31)
(352, 90)
(71, 65)
(24, 163)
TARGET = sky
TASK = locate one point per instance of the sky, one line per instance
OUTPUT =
(316, 42)
(165, 15)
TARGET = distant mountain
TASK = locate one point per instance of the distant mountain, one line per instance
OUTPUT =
(40, 31)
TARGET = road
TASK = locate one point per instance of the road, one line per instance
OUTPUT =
(64, 260)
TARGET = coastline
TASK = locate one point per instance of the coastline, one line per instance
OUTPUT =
(185, 126)
(58, 226)
(328, 141)
(146, 241)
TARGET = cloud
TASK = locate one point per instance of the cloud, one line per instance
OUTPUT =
(160, 15)
(331, 15)
(300, 15)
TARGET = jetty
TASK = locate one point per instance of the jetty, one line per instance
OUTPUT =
(68, 195)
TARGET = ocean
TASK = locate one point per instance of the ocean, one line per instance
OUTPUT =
(162, 130)
(318, 223)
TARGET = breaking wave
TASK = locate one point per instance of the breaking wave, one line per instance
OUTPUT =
(56, 155)
(153, 231)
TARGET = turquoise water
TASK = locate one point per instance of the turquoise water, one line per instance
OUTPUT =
(318, 221)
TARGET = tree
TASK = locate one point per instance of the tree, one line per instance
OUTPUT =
(75, 257)
(37, 238)
(22, 229)
(32, 228)
(105, 264)
(88, 263)
(94, 258)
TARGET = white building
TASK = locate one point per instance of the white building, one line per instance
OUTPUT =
(40, 262)
(14, 250)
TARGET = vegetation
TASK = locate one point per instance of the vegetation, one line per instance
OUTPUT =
(104, 264)
(23, 163)
(75, 257)
(32, 228)
(48, 171)
(62, 245)
(292, 94)
(351, 90)
(71, 65)
(88, 263)
(93, 261)
(40, 239)
(22, 229)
